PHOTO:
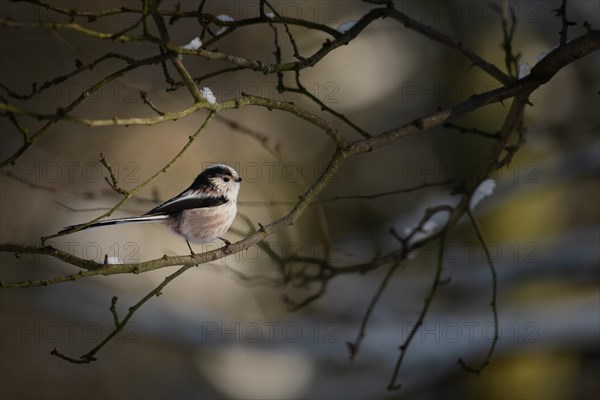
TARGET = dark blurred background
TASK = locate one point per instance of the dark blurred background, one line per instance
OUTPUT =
(212, 333)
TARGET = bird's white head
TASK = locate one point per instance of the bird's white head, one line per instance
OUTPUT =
(218, 180)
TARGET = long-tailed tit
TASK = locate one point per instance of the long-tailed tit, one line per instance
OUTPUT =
(201, 213)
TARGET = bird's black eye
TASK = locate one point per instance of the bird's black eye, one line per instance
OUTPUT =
(226, 179)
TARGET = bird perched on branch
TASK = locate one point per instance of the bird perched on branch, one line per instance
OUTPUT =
(201, 213)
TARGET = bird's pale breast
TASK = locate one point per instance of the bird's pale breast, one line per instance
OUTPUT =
(202, 225)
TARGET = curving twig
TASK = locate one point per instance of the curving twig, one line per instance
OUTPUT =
(488, 357)
(428, 300)
(119, 326)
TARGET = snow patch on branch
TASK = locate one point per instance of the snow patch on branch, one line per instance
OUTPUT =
(485, 189)
(224, 18)
(195, 44)
(346, 26)
(208, 95)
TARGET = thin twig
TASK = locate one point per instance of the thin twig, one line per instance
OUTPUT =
(474, 131)
(261, 138)
(428, 300)
(302, 90)
(387, 193)
(24, 131)
(486, 361)
(149, 103)
(80, 67)
(289, 33)
(176, 61)
(509, 27)
(562, 13)
(434, 34)
(113, 310)
(63, 113)
(113, 183)
(354, 346)
(74, 27)
(91, 355)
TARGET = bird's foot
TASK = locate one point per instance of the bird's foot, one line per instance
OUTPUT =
(190, 247)
(227, 243)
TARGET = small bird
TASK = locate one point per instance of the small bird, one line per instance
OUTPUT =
(201, 213)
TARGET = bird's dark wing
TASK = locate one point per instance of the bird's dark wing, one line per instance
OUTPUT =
(182, 203)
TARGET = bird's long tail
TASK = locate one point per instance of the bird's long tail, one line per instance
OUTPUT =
(143, 218)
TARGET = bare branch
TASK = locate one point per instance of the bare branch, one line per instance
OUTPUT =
(488, 256)
(387, 193)
(113, 179)
(433, 34)
(148, 102)
(63, 113)
(36, 89)
(562, 13)
(74, 27)
(91, 355)
(474, 131)
(354, 347)
(113, 310)
(428, 300)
